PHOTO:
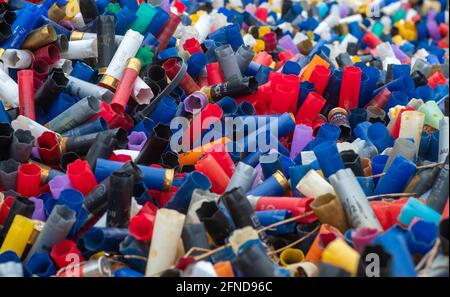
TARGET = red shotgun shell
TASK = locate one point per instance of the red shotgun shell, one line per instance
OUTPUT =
(29, 180)
(81, 176)
(209, 167)
(63, 253)
(319, 78)
(351, 83)
(26, 93)
(310, 109)
(48, 147)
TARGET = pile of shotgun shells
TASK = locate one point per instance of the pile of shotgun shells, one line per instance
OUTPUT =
(224, 138)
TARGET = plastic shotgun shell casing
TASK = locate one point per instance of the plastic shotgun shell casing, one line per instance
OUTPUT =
(351, 81)
(253, 262)
(57, 12)
(155, 74)
(353, 161)
(402, 147)
(378, 134)
(63, 251)
(168, 30)
(235, 88)
(96, 201)
(127, 49)
(195, 101)
(62, 44)
(194, 235)
(18, 235)
(188, 84)
(244, 56)
(241, 236)
(310, 109)
(5, 207)
(119, 199)
(89, 10)
(243, 177)
(81, 49)
(329, 158)
(6, 136)
(101, 148)
(29, 180)
(197, 198)
(411, 126)
(76, 115)
(157, 142)
(241, 210)
(352, 196)
(209, 166)
(57, 227)
(125, 87)
(16, 59)
(40, 71)
(21, 206)
(49, 148)
(291, 256)
(21, 145)
(97, 125)
(329, 210)
(183, 197)
(319, 78)
(227, 61)
(154, 178)
(81, 89)
(443, 139)
(50, 88)
(314, 185)
(59, 184)
(294, 205)
(8, 89)
(375, 114)
(22, 26)
(216, 223)
(339, 117)
(26, 93)
(105, 41)
(439, 192)
(40, 37)
(81, 176)
(40, 265)
(276, 185)
(81, 144)
(214, 72)
(422, 181)
(145, 14)
(397, 176)
(340, 254)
